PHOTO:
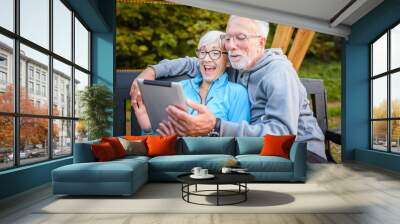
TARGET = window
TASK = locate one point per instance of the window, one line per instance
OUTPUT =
(3, 61)
(81, 45)
(34, 21)
(6, 74)
(37, 74)
(7, 14)
(44, 91)
(62, 74)
(62, 29)
(3, 72)
(38, 89)
(30, 72)
(385, 94)
(3, 78)
(55, 127)
(30, 87)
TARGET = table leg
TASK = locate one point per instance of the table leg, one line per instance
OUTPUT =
(245, 193)
(196, 188)
(217, 194)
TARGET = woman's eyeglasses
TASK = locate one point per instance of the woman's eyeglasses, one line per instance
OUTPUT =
(214, 54)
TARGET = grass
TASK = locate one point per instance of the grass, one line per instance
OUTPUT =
(330, 72)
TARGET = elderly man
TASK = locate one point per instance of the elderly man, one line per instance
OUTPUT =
(279, 104)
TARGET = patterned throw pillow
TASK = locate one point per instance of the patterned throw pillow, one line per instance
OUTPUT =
(134, 147)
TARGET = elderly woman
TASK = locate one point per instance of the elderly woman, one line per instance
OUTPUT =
(227, 100)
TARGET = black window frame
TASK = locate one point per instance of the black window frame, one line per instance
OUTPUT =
(388, 74)
(16, 115)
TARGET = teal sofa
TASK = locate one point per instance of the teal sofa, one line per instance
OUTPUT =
(125, 176)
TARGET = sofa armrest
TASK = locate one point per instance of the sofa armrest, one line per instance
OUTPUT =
(83, 152)
(298, 155)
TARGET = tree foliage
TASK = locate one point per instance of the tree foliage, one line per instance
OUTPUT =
(148, 33)
(97, 104)
(380, 127)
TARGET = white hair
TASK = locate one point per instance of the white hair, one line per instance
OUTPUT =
(211, 37)
(263, 27)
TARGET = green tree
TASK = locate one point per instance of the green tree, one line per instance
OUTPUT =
(148, 33)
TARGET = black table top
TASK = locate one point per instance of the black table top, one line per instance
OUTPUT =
(220, 178)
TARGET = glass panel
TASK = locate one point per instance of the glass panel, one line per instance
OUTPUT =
(379, 56)
(62, 89)
(395, 47)
(62, 141)
(81, 45)
(395, 136)
(81, 81)
(34, 82)
(6, 74)
(62, 29)
(81, 131)
(33, 139)
(379, 135)
(35, 21)
(395, 95)
(7, 14)
(6, 142)
(379, 97)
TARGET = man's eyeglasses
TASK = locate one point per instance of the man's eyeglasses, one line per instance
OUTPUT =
(214, 54)
(241, 37)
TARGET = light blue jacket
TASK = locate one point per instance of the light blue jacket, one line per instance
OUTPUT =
(227, 100)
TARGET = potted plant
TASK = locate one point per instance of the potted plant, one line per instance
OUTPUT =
(96, 102)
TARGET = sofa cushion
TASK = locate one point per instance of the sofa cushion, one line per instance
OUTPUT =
(257, 163)
(83, 152)
(249, 145)
(111, 171)
(185, 163)
(207, 145)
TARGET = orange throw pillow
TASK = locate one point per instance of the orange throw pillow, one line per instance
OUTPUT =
(103, 151)
(277, 145)
(161, 145)
(136, 138)
(116, 145)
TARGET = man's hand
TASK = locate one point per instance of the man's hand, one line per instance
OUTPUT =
(148, 74)
(189, 125)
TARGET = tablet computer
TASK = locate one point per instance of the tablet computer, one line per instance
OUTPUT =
(157, 96)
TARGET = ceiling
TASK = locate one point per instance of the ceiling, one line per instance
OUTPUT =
(333, 17)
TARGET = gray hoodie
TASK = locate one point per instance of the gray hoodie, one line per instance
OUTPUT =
(279, 104)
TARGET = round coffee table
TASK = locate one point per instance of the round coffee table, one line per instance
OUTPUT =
(238, 179)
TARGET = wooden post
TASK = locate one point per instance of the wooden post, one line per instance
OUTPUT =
(300, 46)
(282, 37)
